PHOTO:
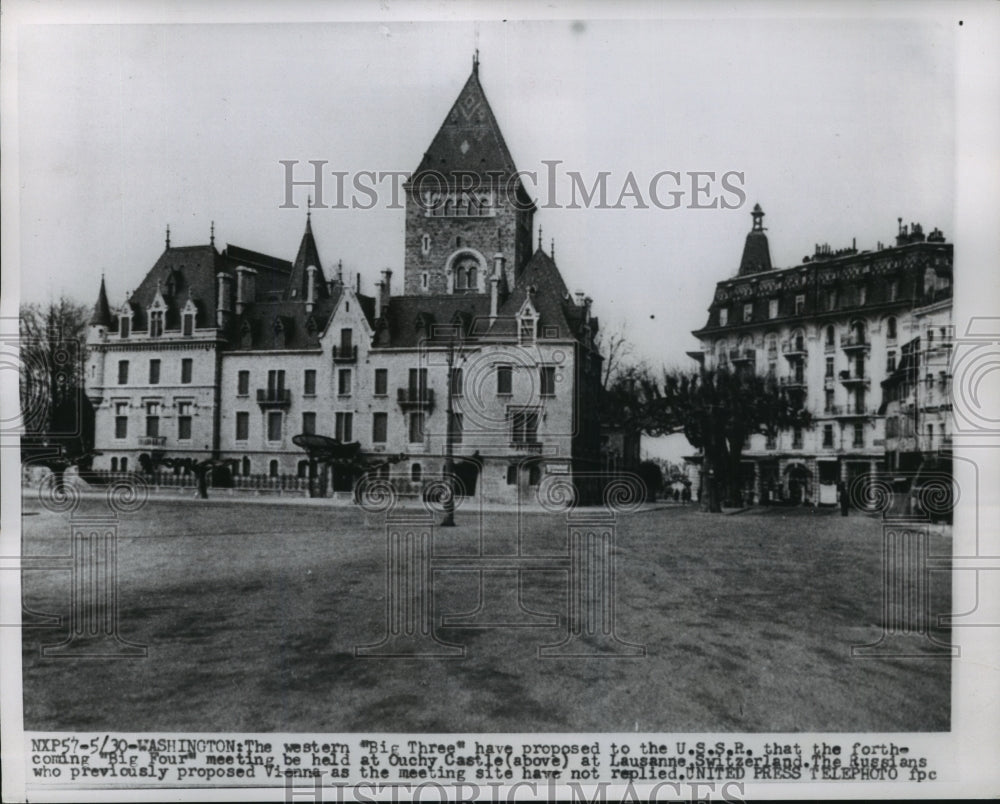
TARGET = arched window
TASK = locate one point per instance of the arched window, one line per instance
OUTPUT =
(123, 465)
(473, 281)
(272, 469)
(114, 464)
(303, 469)
(830, 336)
(890, 329)
(245, 466)
(416, 472)
(800, 342)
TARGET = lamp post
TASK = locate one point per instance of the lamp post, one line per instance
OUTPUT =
(449, 445)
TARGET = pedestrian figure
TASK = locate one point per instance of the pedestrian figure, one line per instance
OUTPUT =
(842, 497)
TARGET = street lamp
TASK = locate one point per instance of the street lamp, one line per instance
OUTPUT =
(449, 438)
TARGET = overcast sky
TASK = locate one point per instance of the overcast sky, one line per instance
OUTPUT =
(838, 125)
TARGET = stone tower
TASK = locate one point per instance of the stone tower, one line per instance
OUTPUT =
(465, 204)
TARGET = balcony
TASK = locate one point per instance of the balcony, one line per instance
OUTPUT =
(348, 355)
(853, 380)
(415, 398)
(527, 446)
(794, 348)
(737, 356)
(854, 343)
(793, 383)
(274, 397)
(851, 412)
(152, 441)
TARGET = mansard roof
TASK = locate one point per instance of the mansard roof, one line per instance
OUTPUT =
(469, 139)
(179, 273)
(405, 314)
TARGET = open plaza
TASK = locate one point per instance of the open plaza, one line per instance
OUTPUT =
(251, 613)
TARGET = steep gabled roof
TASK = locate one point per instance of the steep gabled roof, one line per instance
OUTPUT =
(469, 139)
(557, 314)
(180, 272)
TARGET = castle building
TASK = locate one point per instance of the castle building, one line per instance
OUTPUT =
(230, 354)
(833, 329)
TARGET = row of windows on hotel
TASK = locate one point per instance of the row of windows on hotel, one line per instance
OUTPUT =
(156, 324)
(521, 423)
(417, 379)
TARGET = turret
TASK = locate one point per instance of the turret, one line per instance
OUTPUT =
(223, 307)
(756, 252)
(246, 281)
(97, 333)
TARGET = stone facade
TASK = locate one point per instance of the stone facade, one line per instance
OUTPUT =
(831, 329)
(484, 327)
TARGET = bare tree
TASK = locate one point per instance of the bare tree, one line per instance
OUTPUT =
(615, 347)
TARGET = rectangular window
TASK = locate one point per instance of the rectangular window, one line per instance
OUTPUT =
(243, 383)
(747, 313)
(893, 290)
(890, 362)
(829, 367)
(188, 327)
(800, 304)
(309, 382)
(156, 324)
(183, 421)
(122, 372)
(416, 428)
(152, 419)
(859, 435)
(505, 380)
(524, 426)
(723, 316)
(455, 383)
(831, 300)
(381, 382)
(154, 372)
(346, 341)
(828, 435)
(862, 295)
(309, 423)
(187, 366)
(242, 426)
(121, 419)
(345, 427)
(548, 380)
(344, 382)
(274, 425)
(418, 383)
(456, 428)
(124, 326)
(828, 401)
(772, 308)
(526, 329)
(380, 428)
(797, 438)
(275, 382)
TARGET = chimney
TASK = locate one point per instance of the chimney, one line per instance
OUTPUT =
(357, 284)
(586, 308)
(310, 288)
(224, 306)
(383, 293)
(379, 290)
(579, 298)
(245, 287)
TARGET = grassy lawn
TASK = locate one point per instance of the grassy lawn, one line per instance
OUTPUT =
(252, 612)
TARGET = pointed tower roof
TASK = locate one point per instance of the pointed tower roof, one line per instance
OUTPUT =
(756, 253)
(102, 310)
(469, 138)
(308, 255)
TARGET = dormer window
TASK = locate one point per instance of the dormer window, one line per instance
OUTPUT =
(527, 323)
(155, 323)
(125, 324)
(188, 315)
